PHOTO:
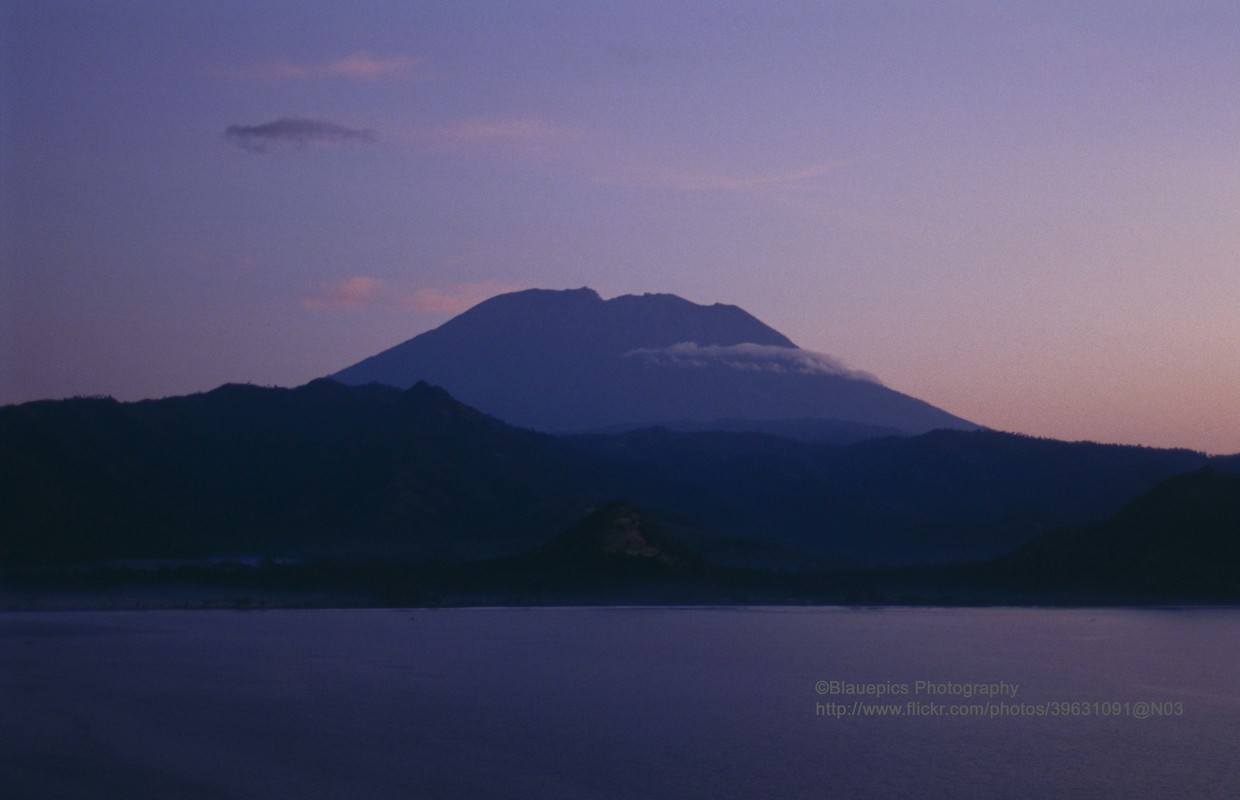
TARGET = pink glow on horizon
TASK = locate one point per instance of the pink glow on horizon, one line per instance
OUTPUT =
(360, 292)
(346, 294)
(701, 180)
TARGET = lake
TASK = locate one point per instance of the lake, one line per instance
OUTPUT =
(621, 703)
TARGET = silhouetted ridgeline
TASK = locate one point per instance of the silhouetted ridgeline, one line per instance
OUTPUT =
(322, 469)
(375, 473)
(942, 496)
(1182, 538)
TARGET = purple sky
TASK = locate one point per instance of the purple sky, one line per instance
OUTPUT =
(1025, 213)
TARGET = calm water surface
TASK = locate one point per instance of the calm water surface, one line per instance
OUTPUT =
(616, 703)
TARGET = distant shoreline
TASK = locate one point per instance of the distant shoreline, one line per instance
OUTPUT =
(204, 598)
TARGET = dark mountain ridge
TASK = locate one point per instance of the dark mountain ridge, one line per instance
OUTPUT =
(329, 469)
(1181, 538)
(942, 496)
(323, 468)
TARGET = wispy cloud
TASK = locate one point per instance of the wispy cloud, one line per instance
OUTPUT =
(693, 180)
(347, 294)
(362, 292)
(456, 299)
(360, 66)
(749, 358)
(516, 131)
(593, 155)
(513, 137)
(296, 133)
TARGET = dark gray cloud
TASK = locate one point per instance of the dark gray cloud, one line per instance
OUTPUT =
(296, 133)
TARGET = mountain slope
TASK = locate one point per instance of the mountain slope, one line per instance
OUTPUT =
(944, 495)
(571, 361)
(321, 469)
(1181, 538)
(617, 533)
(376, 472)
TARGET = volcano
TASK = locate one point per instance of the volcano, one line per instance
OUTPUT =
(570, 361)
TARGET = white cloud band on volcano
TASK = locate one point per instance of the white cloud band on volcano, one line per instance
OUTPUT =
(749, 358)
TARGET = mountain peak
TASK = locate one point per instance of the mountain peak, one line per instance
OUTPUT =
(583, 295)
(622, 323)
(568, 360)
